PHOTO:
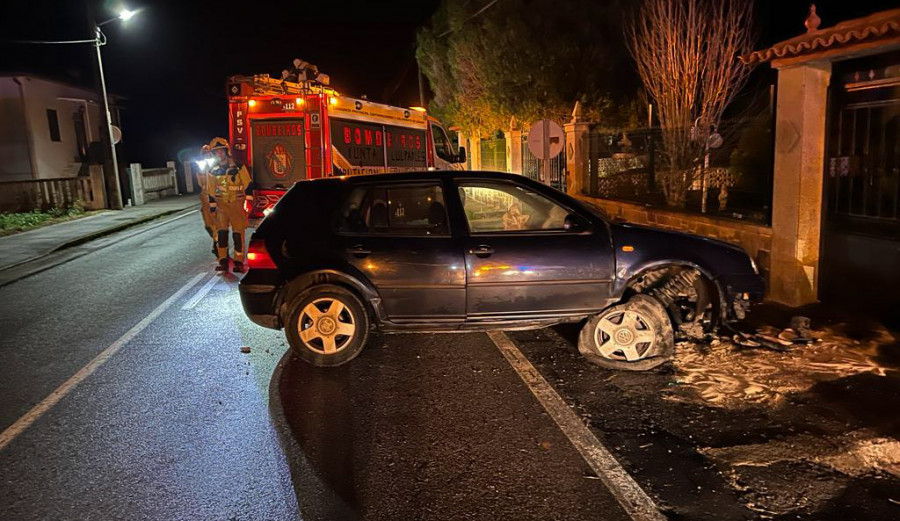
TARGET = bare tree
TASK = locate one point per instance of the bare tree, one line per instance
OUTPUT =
(686, 53)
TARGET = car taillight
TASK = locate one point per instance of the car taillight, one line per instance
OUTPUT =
(258, 257)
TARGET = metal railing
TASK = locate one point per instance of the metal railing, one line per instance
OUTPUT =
(631, 166)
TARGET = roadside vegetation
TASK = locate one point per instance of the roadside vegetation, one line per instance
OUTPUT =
(15, 222)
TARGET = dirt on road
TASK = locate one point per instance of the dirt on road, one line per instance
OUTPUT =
(731, 432)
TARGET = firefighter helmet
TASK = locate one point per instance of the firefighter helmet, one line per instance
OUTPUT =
(204, 149)
(220, 143)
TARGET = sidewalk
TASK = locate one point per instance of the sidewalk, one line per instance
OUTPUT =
(31, 245)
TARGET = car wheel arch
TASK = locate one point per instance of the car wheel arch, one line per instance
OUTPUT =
(302, 283)
(622, 290)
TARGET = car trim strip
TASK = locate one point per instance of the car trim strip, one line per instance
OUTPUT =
(540, 282)
(421, 286)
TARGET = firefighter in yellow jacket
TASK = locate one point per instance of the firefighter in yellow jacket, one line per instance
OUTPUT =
(229, 185)
(209, 220)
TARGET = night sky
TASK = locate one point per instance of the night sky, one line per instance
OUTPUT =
(171, 60)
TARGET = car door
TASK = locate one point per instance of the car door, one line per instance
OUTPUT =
(529, 256)
(398, 236)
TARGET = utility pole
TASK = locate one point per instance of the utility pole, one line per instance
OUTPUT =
(115, 198)
(421, 86)
(110, 163)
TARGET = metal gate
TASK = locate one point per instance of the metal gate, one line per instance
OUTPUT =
(860, 257)
(493, 154)
(532, 166)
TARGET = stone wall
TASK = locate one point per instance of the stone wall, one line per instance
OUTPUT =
(755, 238)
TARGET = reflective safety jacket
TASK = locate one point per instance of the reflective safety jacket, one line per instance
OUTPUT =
(204, 183)
(230, 183)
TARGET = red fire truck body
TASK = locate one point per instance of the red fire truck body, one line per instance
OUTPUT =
(285, 132)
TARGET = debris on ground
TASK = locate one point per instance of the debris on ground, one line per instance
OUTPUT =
(854, 453)
(765, 372)
(245, 349)
(728, 373)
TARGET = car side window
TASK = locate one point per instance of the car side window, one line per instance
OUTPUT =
(503, 207)
(417, 210)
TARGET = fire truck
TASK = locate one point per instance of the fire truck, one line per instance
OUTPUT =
(288, 131)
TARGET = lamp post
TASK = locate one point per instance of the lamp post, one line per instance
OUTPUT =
(100, 40)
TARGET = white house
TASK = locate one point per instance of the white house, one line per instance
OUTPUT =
(47, 128)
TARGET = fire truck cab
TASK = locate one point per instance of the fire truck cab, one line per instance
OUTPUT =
(285, 132)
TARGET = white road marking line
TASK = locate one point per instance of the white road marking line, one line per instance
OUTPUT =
(53, 398)
(627, 492)
(201, 292)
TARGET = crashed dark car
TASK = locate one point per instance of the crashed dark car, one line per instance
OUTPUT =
(456, 251)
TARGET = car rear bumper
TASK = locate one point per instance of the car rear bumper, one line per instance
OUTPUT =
(260, 303)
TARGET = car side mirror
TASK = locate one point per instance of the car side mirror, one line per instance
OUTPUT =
(461, 155)
(575, 223)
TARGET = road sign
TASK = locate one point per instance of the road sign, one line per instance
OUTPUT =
(116, 134)
(549, 131)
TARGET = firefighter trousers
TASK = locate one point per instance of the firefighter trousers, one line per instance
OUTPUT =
(231, 215)
(209, 219)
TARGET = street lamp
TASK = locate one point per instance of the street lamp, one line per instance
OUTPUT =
(100, 40)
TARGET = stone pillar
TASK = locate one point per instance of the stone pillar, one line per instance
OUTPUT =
(137, 183)
(576, 151)
(188, 168)
(799, 176)
(475, 150)
(174, 173)
(513, 147)
(98, 187)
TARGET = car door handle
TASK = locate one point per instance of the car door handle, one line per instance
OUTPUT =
(482, 251)
(358, 251)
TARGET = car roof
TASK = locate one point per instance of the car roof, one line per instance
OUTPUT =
(421, 175)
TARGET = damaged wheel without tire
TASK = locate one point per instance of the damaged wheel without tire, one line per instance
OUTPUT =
(636, 335)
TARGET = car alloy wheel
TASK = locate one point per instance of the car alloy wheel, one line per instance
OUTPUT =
(326, 326)
(635, 335)
(624, 335)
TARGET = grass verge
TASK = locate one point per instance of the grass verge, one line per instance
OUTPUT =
(11, 223)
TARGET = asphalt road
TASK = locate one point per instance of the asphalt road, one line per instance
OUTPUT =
(125, 395)
(176, 423)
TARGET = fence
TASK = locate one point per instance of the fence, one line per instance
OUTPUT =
(152, 183)
(44, 194)
(736, 180)
(157, 180)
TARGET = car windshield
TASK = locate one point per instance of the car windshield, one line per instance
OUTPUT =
(597, 210)
(442, 145)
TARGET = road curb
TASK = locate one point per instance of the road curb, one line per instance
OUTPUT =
(124, 226)
(99, 234)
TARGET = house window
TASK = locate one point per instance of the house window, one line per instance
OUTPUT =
(53, 122)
